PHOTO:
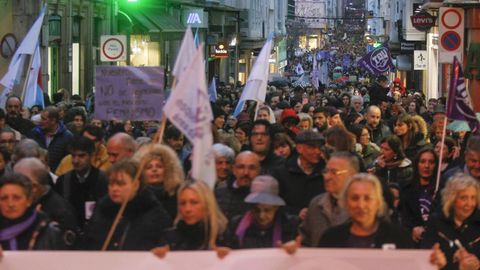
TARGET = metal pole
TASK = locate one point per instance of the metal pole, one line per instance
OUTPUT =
(236, 51)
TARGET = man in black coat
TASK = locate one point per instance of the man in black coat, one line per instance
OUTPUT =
(301, 178)
(261, 143)
(56, 207)
(230, 196)
(84, 185)
(13, 108)
(379, 90)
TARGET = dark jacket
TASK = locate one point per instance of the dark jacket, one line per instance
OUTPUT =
(415, 145)
(140, 227)
(270, 163)
(40, 235)
(377, 94)
(411, 212)
(58, 147)
(443, 230)
(77, 193)
(256, 237)
(377, 134)
(387, 233)
(169, 202)
(230, 199)
(401, 174)
(59, 210)
(296, 187)
(21, 124)
(187, 237)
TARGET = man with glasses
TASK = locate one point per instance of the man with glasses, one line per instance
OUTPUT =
(8, 139)
(324, 211)
(300, 178)
(261, 144)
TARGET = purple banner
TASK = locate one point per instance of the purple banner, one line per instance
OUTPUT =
(459, 106)
(377, 61)
(129, 93)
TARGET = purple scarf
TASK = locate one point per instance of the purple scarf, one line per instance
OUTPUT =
(10, 233)
(248, 220)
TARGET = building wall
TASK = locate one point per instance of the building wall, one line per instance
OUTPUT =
(6, 21)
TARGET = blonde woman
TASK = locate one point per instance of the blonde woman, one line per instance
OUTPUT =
(162, 174)
(457, 227)
(369, 227)
(198, 224)
(306, 121)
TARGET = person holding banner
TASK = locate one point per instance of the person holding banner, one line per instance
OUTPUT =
(199, 224)
(457, 226)
(369, 226)
(143, 221)
(22, 227)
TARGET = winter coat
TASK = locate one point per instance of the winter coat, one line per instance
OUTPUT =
(296, 187)
(58, 147)
(77, 193)
(169, 202)
(411, 212)
(187, 237)
(256, 237)
(401, 173)
(41, 234)
(387, 233)
(140, 228)
(230, 199)
(415, 145)
(322, 214)
(444, 231)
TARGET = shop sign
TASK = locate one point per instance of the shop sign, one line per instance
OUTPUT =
(420, 60)
(221, 50)
(423, 21)
(195, 18)
(407, 46)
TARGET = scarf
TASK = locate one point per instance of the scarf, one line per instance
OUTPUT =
(248, 220)
(10, 233)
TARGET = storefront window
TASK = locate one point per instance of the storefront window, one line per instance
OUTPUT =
(143, 51)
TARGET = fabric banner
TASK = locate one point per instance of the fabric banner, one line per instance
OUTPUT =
(264, 259)
(377, 61)
(128, 93)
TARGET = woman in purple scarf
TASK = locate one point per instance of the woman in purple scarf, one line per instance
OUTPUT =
(265, 225)
(22, 227)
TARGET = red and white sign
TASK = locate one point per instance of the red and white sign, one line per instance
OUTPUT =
(451, 34)
(113, 48)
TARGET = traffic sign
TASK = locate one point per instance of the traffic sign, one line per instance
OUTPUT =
(451, 33)
(113, 48)
(450, 40)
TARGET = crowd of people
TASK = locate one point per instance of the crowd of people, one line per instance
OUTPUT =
(341, 167)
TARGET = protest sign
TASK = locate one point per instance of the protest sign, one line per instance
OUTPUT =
(265, 259)
(128, 93)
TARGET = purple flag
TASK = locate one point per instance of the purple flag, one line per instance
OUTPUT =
(459, 106)
(377, 61)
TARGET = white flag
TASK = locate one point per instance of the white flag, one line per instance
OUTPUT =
(314, 74)
(188, 108)
(33, 92)
(256, 86)
(28, 45)
(185, 54)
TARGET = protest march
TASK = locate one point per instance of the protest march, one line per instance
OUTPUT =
(335, 164)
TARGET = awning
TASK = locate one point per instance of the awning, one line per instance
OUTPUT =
(156, 21)
(404, 62)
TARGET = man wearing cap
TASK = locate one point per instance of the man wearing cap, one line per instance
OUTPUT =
(301, 178)
(230, 196)
(324, 211)
(261, 144)
(377, 129)
(266, 223)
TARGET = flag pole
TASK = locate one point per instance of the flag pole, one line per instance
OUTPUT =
(119, 215)
(442, 145)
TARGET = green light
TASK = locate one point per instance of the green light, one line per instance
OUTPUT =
(130, 1)
(375, 45)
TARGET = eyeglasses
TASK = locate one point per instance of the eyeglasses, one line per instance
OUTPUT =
(260, 134)
(334, 171)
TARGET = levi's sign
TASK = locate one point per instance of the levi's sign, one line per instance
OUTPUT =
(423, 21)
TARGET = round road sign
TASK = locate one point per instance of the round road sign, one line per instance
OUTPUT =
(451, 19)
(451, 40)
(113, 48)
